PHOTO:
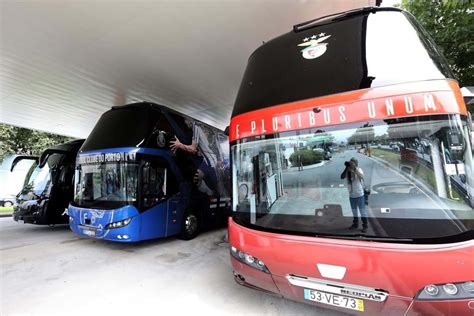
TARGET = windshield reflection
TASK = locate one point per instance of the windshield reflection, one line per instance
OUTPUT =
(106, 184)
(383, 179)
(40, 179)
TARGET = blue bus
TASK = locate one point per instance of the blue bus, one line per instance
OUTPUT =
(147, 171)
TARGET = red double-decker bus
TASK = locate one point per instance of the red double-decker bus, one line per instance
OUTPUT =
(352, 168)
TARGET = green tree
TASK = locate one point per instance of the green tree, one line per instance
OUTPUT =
(308, 157)
(363, 135)
(451, 25)
(17, 140)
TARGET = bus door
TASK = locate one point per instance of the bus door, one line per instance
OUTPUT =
(65, 189)
(159, 198)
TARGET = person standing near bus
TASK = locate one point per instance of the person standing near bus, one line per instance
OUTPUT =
(355, 184)
(299, 162)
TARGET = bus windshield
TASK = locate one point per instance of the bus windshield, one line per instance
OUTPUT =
(39, 179)
(414, 176)
(106, 185)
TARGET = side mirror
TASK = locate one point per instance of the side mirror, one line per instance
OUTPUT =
(43, 159)
(243, 192)
(468, 95)
(62, 175)
(146, 173)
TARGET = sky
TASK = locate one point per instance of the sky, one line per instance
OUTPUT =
(389, 3)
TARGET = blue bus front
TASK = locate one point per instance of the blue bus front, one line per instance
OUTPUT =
(127, 195)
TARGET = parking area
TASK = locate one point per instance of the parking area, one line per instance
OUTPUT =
(50, 271)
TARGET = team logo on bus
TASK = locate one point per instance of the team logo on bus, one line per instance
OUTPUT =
(314, 46)
(161, 139)
(95, 214)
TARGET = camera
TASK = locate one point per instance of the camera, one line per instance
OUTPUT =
(347, 163)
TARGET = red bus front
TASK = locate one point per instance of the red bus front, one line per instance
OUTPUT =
(352, 168)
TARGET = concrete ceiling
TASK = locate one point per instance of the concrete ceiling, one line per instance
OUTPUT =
(63, 63)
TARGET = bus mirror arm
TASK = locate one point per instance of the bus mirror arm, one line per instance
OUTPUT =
(19, 158)
(48, 152)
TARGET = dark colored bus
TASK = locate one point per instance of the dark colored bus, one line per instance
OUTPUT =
(386, 225)
(147, 171)
(48, 187)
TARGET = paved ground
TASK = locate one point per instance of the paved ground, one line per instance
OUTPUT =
(50, 271)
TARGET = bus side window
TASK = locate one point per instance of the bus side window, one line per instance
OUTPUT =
(153, 184)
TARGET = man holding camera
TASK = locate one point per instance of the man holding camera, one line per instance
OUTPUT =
(355, 184)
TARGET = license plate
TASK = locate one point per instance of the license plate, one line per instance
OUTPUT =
(89, 232)
(334, 300)
(21, 221)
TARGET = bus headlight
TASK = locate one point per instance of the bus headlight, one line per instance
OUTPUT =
(450, 289)
(447, 291)
(468, 287)
(248, 259)
(432, 289)
(118, 224)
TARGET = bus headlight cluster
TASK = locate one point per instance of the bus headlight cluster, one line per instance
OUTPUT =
(119, 224)
(460, 290)
(248, 259)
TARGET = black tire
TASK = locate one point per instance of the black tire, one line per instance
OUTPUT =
(7, 204)
(190, 225)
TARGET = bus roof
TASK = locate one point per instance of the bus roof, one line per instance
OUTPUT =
(355, 50)
(146, 104)
(68, 146)
(133, 125)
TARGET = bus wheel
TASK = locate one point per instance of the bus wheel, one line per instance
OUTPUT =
(189, 226)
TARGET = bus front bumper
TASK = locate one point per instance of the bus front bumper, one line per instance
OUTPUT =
(375, 271)
(97, 224)
(393, 305)
(123, 234)
(30, 214)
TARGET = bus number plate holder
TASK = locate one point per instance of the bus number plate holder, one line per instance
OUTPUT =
(334, 300)
(88, 232)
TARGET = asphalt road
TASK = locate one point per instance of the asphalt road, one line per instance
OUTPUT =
(330, 173)
(316, 186)
(50, 271)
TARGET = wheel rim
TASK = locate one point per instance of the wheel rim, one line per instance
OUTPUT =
(8, 204)
(191, 224)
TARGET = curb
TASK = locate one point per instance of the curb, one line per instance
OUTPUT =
(6, 215)
(308, 167)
